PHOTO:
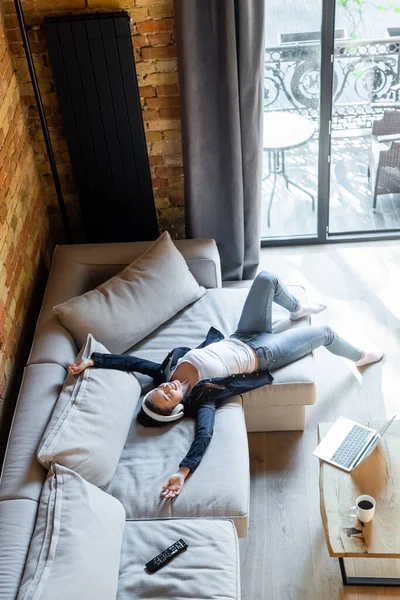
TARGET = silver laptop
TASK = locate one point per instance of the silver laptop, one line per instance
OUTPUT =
(347, 443)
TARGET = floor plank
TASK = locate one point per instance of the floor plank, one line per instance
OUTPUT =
(285, 555)
(258, 545)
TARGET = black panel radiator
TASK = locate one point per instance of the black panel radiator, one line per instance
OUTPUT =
(95, 77)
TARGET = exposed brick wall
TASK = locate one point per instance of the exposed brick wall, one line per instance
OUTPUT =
(153, 38)
(24, 225)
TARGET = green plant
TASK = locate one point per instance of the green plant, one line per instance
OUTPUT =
(354, 10)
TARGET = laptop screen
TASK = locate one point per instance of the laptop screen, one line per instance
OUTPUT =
(375, 441)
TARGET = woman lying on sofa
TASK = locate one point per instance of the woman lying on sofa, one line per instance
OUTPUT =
(194, 382)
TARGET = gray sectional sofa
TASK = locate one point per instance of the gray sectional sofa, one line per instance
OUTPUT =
(213, 508)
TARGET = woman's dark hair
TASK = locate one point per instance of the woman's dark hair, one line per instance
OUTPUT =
(147, 421)
(156, 409)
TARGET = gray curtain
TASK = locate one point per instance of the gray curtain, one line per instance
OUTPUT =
(220, 54)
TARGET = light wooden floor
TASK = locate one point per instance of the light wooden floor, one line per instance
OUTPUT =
(284, 556)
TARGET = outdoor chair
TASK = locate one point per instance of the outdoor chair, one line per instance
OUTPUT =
(384, 160)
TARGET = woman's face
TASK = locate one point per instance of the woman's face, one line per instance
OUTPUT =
(167, 395)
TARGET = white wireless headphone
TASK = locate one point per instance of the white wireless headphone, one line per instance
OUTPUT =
(176, 414)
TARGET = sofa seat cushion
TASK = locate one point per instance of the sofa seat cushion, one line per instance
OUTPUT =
(208, 569)
(219, 308)
(293, 384)
(218, 488)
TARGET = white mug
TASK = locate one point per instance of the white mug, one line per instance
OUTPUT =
(363, 514)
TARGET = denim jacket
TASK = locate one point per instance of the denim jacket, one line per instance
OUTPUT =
(202, 401)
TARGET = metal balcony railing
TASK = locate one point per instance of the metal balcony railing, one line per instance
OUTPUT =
(365, 73)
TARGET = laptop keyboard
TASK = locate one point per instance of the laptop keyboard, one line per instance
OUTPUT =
(351, 446)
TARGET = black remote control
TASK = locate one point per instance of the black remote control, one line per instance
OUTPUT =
(166, 555)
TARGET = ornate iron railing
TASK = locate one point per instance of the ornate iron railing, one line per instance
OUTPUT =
(364, 73)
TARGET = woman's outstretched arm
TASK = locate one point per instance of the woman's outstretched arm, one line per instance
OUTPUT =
(121, 362)
(204, 432)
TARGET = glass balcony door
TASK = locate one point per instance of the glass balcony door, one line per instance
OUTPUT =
(291, 119)
(365, 126)
(335, 67)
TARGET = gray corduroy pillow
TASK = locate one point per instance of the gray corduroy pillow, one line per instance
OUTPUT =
(90, 421)
(129, 306)
(76, 546)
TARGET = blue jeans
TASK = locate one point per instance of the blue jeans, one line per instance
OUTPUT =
(275, 350)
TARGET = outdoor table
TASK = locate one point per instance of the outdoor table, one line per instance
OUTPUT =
(284, 131)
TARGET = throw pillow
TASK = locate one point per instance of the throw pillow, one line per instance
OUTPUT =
(129, 306)
(90, 421)
(76, 545)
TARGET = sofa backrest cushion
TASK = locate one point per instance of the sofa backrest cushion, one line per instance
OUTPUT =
(91, 420)
(76, 546)
(22, 475)
(126, 308)
(17, 522)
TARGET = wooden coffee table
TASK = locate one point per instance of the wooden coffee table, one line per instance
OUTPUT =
(378, 476)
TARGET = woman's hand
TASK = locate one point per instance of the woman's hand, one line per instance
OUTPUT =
(174, 484)
(75, 368)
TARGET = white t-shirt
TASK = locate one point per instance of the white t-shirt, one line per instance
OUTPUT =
(221, 359)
